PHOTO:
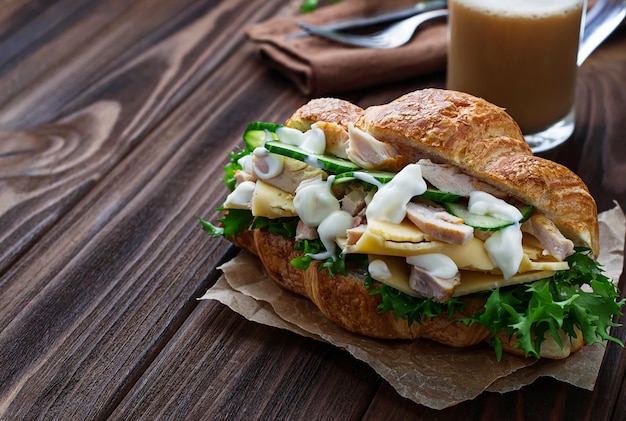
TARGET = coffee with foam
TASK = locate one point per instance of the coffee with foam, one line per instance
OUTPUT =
(518, 54)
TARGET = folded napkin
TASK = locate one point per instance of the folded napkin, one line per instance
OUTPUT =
(321, 67)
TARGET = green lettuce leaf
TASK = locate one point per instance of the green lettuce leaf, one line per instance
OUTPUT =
(413, 308)
(531, 311)
(232, 223)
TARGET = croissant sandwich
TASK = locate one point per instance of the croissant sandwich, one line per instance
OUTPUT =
(428, 217)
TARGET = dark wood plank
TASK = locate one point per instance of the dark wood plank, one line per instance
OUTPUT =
(38, 36)
(94, 304)
(72, 45)
(144, 68)
(69, 297)
(220, 367)
(620, 407)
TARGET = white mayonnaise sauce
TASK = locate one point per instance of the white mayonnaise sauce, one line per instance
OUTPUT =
(368, 178)
(379, 270)
(312, 161)
(318, 207)
(504, 246)
(314, 201)
(241, 196)
(312, 141)
(266, 165)
(389, 202)
(334, 225)
(246, 163)
(482, 203)
(436, 264)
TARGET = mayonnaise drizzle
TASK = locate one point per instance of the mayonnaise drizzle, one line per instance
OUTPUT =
(504, 248)
(245, 162)
(312, 141)
(334, 225)
(368, 178)
(505, 245)
(241, 196)
(314, 201)
(318, 207)
(482, 203)
(379, 270)
(436, 264)
(389, 202)
(266, 165)
(313, 161)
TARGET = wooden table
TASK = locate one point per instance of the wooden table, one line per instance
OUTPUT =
(115, 117)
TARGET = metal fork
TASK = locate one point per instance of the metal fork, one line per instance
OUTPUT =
(391, 37)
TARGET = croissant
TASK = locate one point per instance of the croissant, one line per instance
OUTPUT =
(388, 203)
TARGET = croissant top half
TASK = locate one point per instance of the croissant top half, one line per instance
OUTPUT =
(476, 136)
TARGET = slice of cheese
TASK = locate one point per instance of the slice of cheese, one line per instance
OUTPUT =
(393, 240)
(371, 243)
(400, 272)
(406, 231)
(476, 281)
(528, 265)
(271, 202)
(405, 239)
(471, 281)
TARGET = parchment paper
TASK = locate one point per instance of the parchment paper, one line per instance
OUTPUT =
(426, 372)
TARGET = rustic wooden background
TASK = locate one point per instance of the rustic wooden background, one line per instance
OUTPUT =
(115, 116)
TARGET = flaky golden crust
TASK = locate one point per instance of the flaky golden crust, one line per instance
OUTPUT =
(342, 299)
(442, 125)
(330, 110)
(479, 138)
(333, 116)
(445, 330)
(345, 301)
(276, 255)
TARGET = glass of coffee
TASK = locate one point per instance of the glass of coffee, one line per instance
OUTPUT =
(520, 55)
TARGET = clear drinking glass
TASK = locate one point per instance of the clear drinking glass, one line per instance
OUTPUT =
(520, 55)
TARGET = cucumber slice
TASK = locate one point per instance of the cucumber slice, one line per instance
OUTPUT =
(328, 163)
(440, 196)
(484, 222)
(254, 136)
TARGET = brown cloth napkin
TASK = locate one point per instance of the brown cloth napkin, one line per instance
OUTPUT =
(320, 67)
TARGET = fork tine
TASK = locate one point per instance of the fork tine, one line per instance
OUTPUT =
(338, 36)
(391, 37)
(376, 40)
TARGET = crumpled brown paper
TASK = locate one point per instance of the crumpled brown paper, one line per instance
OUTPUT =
(426, 372)
(321, 67)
